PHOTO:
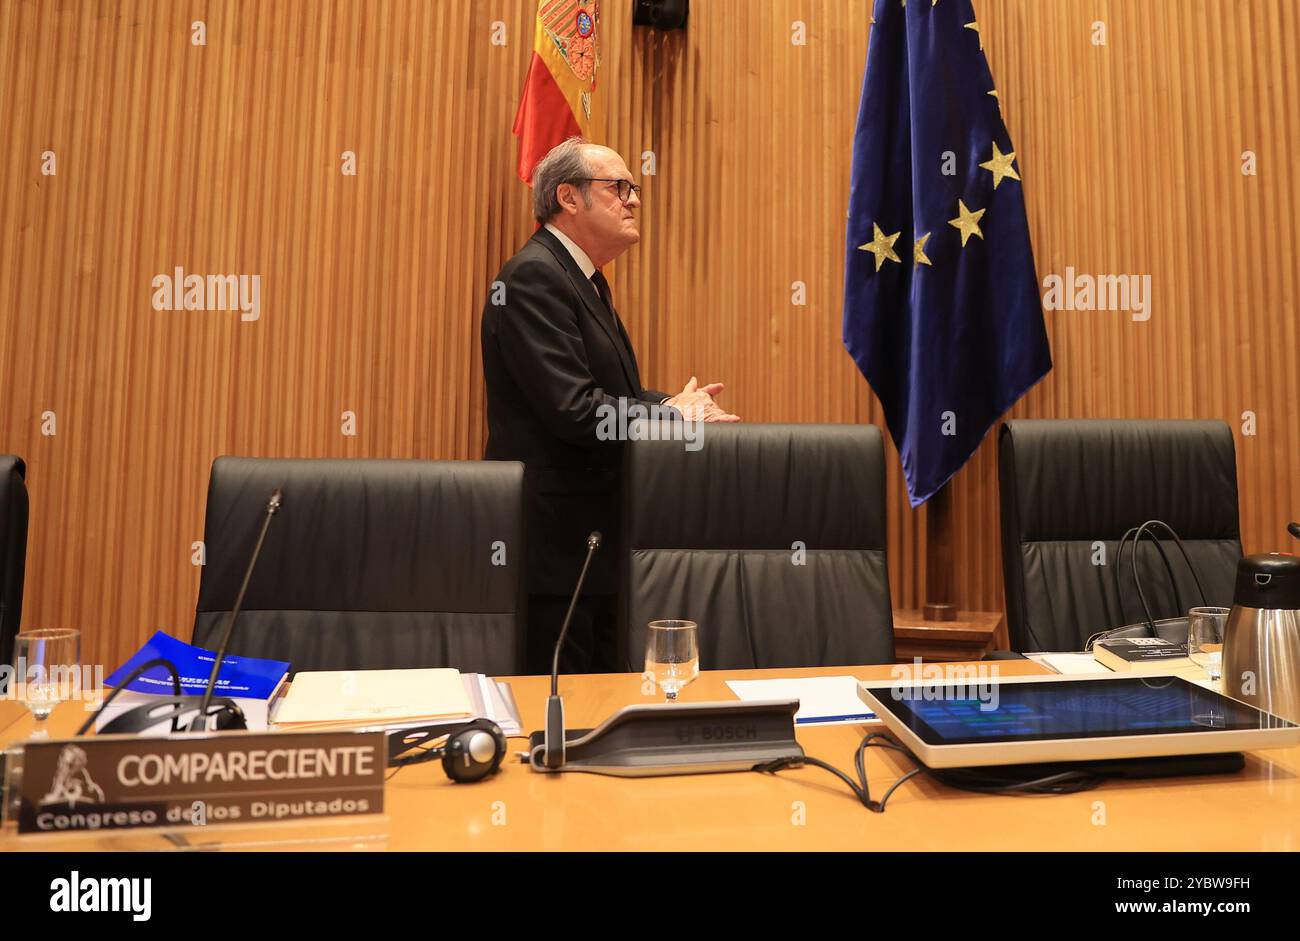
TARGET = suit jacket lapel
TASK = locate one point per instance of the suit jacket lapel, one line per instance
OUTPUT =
(606, 319)
(631, 353)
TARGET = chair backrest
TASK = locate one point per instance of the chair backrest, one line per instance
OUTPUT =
(13, 550)
(1070, 489)
(770, 537)
(369, 564)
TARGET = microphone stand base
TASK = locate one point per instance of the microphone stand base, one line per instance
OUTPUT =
(679, 738)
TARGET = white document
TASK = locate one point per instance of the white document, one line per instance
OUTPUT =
(348, 697)
(1072, 664)
(501, 705)
(823, 700)
(489, 701)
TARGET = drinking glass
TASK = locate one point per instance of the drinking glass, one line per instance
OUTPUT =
(672, 655)
(1205, 627)
(47, 667)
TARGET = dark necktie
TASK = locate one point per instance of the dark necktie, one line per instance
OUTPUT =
(602, 289)
(624, 345)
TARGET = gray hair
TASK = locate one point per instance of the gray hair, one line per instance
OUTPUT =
(565, 163)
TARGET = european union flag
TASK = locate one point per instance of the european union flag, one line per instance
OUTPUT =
(941, 304)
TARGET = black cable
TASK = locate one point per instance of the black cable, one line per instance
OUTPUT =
(1136, 533)
(988, 781)
(158, 661)
(863, 798)
(411, 760)
(861, 789)
(979, 780)
(1137, 540)
(426, 747)
(1187, 560)
(881, 740)
(897, 784)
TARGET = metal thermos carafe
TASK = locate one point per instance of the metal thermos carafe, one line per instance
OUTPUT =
(1261, 645)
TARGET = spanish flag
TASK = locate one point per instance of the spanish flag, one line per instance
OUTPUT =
(559, 94)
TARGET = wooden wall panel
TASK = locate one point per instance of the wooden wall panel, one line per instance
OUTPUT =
(225, 158)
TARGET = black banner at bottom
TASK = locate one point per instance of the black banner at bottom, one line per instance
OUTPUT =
(932, 891)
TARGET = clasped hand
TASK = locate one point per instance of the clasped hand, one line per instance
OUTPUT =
(696, 403)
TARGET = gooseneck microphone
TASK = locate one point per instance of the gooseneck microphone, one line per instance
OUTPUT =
(663, 738)
(170, 708)
(554, 735)
(200, 721)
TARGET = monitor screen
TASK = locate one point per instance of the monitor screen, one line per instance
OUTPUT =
(1027, 712)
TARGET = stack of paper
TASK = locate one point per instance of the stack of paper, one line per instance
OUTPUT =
(372, 698)
(823, 700)
(493, 700)
(1074, 664)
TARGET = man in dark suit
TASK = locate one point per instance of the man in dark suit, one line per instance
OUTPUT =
(558, 364)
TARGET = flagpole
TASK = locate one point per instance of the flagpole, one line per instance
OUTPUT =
(939, 605)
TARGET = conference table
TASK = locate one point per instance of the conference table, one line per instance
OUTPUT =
(805, 808)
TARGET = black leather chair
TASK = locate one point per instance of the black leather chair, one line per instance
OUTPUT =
(369, 564)
(714, 536)
(13, 550)
(1066, 485)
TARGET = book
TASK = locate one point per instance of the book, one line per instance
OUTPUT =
(1141, 655)
(240, 677)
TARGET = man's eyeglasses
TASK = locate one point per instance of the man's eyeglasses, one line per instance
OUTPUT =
(625, 187)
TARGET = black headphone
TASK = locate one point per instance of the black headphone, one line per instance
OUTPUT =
(473, 750)
(159, 709)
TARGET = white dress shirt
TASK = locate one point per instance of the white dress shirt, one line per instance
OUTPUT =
(584, 262)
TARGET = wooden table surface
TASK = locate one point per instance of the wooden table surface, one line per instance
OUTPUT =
(802, 809)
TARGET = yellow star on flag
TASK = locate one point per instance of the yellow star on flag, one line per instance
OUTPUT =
(882, 246)
(967, 222)
(976, 27)
(1000, 166)
(919, 257)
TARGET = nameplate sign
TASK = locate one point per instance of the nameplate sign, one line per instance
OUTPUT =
(123, 783)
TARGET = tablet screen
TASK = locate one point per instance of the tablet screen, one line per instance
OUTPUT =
(945, 714)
